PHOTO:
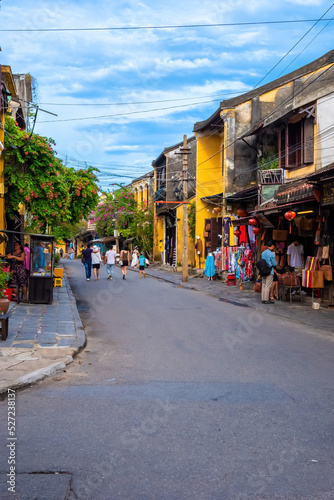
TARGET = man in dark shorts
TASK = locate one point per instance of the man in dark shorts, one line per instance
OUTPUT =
(87, 260)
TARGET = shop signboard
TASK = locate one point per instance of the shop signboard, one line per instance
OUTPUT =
(328, 193)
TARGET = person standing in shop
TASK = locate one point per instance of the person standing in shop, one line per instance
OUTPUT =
(267, 281)
(295, 255)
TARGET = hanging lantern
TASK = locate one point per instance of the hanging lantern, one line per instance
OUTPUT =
(317, 194)
(290, 215)
(237, 233)
(252, 222)
(256, 231)
(242, 212)
(217, 210)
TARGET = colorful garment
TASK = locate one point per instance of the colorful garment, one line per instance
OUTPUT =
(209, 270)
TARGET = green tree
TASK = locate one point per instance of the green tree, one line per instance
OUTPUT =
(52, 194)
(119, 210)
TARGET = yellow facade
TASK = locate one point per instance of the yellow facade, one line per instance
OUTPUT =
(7, 78)
(209, 182)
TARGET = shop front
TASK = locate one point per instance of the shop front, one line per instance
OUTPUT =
(302, 230)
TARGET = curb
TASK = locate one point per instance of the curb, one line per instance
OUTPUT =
(53, 368)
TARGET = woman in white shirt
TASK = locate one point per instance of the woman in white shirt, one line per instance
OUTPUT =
(96, 262)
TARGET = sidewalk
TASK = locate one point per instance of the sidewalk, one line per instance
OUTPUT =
(302, 312)
(42, 339)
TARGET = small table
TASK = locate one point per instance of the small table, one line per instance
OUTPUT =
(284, 289)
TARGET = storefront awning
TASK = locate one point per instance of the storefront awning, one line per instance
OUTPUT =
(105, 239)
(245, 195)
(296, 191)
(214, 199)
(322, 174)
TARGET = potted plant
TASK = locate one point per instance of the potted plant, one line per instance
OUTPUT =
(5, 292)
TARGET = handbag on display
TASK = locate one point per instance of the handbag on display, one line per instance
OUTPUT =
(317, 237)
(280, 234)
(312, 264)
(313, 278)
(290, 279)
(327, 270)
(325, 252)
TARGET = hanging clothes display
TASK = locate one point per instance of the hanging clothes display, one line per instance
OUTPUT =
(209, 270)
(218, 256)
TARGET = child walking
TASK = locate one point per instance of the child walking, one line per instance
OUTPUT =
(141, 261)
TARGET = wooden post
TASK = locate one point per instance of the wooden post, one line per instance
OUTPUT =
(185, 229)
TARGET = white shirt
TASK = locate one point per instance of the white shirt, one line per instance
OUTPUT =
(96, 257)
(295, 253)
(111, 254)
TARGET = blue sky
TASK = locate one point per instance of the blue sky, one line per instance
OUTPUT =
(149, 86)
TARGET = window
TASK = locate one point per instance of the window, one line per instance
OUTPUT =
(296, 144)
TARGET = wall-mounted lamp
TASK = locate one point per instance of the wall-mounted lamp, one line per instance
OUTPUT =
(177, 193)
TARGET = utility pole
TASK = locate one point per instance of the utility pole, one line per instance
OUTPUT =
(185, 230)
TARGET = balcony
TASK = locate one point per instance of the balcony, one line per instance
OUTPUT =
(273, 176)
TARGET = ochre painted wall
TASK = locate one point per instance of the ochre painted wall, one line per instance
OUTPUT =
(209, 179)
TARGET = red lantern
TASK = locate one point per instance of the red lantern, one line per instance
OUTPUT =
(252, 222)
(242, 212)
(290, 215)
(256, 231)
(237, 233)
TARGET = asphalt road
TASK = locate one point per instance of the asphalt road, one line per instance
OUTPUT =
(179, 397)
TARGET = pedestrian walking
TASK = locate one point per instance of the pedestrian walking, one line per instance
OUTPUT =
(87, 260)
(124, 260)
(71, 252)
(96, 262)
(134, 261)
(267, 281)
(61, 251)
(142, 264)
(110, 260)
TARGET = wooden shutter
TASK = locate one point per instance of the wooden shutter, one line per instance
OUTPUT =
(308, 140)
(216, 228)
(281, 147)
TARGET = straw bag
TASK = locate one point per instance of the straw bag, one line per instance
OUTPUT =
(280, 234)
(328, 271)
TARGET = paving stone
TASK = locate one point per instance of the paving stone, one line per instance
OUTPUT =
(27, 346)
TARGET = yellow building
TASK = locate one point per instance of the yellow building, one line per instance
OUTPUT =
(256, 142)
(168, 166)
(143, 189)
(7, 91)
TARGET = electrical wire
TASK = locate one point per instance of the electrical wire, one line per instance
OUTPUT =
(162, 27)
(295, 45)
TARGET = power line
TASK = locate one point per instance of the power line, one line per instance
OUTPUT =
(163, 27)
(137, 102)
(295, 45)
